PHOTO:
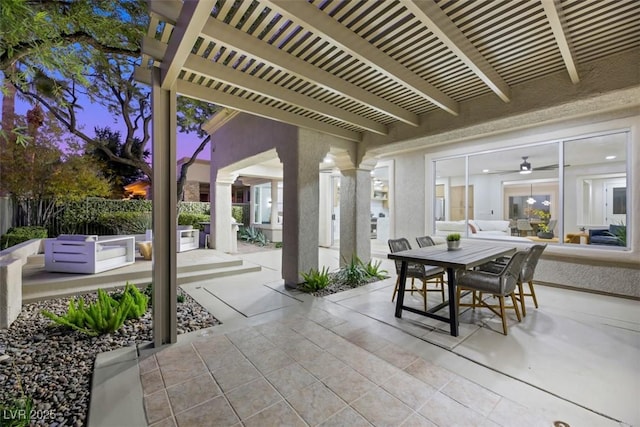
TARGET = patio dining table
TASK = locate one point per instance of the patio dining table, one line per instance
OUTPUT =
(470, 254)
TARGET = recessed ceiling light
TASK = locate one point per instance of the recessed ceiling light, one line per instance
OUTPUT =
(610, 157)
(485, 170)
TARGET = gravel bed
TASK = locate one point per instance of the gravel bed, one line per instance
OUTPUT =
(54, 365)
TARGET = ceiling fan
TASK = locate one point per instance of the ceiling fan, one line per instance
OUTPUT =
(526, 168)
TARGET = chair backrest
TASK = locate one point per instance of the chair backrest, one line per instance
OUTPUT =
(510, 274)
(523, 224)
(552, 224)
(424, 241)
(398, 245)
(530, 263)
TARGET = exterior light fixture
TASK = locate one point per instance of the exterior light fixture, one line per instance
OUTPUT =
(525, 167)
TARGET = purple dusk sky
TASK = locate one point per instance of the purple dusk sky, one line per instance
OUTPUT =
(96, 115)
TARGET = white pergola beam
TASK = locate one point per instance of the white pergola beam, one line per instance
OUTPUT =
(193, 16)
(238, 40)
(557, 21)
(228, 75)
(234, 102)
(271, 55)
(448, 33)
(326, 27)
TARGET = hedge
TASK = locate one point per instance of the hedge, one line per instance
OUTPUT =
(21, 234)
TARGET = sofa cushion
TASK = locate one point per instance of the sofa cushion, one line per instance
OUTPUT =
(492, 225)
(78, 237)
(108, 252)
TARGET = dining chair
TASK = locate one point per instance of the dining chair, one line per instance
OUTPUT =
(425, 273)
(526, 274)
(523, 225)
(424, 241)
(500, 285)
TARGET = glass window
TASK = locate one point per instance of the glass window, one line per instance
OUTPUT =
(556, 192)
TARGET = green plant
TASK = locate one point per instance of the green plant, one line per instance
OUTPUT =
(620, 231)
(18, 235)
(181, 298)
(237, 212)
(373, 270)
(16, 412)
(353, 273)
(126, 222)
(106, 315)
(315, 280)
(253, 235)
(194, 219)
(453, 237)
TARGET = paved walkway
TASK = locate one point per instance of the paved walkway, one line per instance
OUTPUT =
(286, 358)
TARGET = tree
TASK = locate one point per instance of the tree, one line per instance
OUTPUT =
(90, 51)
(61, 37)
(117, 173)
(40, 177)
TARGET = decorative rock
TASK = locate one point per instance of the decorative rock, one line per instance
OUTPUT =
(54, 366)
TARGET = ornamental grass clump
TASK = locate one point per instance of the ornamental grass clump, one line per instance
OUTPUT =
(315, 280)
(104, 316)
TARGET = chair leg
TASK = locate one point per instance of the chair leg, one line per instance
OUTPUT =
(395, 290)
(521, 294)
(515, 306)
(533, 293)
(503, 314)
(424, 293)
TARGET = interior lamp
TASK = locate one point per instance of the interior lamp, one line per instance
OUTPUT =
(525, 167)
(530, 200)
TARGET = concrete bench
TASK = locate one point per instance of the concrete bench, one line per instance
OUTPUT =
(88, 254)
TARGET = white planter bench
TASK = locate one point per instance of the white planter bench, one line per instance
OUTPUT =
(88, 254)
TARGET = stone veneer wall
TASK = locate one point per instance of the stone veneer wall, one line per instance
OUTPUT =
(192, 191)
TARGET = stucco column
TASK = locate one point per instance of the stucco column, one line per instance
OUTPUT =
(355, 214)
(164, 213)
(221, 215)
(274, 202)
(301, 198)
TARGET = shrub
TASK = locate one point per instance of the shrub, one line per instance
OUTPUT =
(237, 212)
(373, 270)
(104, 316)
(253, 235)
(357, 273)
(196, 208)
(193, 219)
(315, 280)
(353, 273)
(126, 222)
(21, 234)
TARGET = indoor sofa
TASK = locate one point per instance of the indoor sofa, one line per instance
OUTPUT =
(606, 236)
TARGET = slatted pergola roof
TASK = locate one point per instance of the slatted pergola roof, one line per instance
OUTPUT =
(351, 67)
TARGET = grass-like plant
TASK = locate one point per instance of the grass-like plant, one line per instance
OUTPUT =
(353, 273)
(374, 270)
(315, 280)
(16, 412)
(453, 237)
(104, 316)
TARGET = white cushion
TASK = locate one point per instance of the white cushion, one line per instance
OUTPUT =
(108, 252)
(453, 226)
(78, 237)
(492, 225)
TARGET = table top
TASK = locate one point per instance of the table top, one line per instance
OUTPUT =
(470, 254)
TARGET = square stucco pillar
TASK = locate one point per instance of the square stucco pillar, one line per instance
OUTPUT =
(355, 215)
(301, 198)
(223, 231)
(164, 213)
